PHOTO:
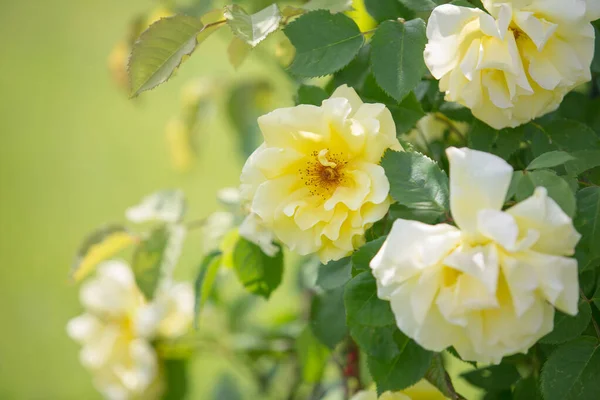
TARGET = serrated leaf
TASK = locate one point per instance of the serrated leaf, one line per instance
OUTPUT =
(558, 189)
(550, 159)
(324, 42)
(237, 51)
(397, 56)
(568, 327)
(363, 256)
(419, 5)
(308, 94)
(416, 181)
(587, 221)
(571, 372)
(436, 375)
(405, 369)
(253, 28)
(165, 205)
(205, 280)
(100, 246)
(312, 356)
(362, 304)
(334, 274)
(334, 6)
(155, 258)
(328, 317)
(493, 378)
(258, 272)
(160, 50)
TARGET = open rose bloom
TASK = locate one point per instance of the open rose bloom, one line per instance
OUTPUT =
(488, 286)
(514, 63)
(118, 326)
(316, 182)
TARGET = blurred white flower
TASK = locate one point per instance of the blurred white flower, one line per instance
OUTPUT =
(255, 231)
(488, 287)
(165, 205)
(423, 390)
(515, 63)
(215, 228)
(432, 127)
(118, 326)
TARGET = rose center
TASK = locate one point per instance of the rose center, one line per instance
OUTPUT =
(323, 173)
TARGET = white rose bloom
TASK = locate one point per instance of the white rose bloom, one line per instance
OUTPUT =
(118, 326)
(515, 63)
(488, 287)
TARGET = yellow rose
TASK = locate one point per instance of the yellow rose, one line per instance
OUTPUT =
(423, 390)
(514, 65)
(118, 327)
(316, 182)
(488, 286)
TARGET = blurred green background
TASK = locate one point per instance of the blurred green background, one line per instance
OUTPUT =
(75, 152)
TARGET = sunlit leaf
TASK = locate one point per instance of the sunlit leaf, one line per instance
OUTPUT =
(237, 52)
(205, 280)
(312, 356)
(100, 246)
(253, 28)
(258, 272)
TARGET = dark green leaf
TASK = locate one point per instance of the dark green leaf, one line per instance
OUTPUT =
(397, 56)
(176, 379)
(324, 42)
(550, 159)
(205, 280)
(563, 134)
(155, 258)
(334, 6)
(407, 113)
(572, 370)
(334, 274)
(596, 61)
(588, 219)
(377, 342)
(567, 327)
(160, 50)
(363, 256)
(382, 10)
(527, 389)
(328, 317)
(353, 74)
(502, 143)
(403, 212)
(419, 5)
(258, 272)
(254, 28)
(493, 378)
(404, 370)
(558, 189)
(438, 377)
(312, 356)
(416, 181)
(584, 160)
(362, 304)
(310, 95)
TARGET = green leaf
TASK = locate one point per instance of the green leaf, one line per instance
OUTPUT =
(397, 56)
(377, 342)
(328, 317)
(176, 379)
(527, 389)
(562, 134)
(493, 378)
(335, 6)
(363, 305)
(382, 10)
(438, 377)
(155, 258)
(587, 221)
(550, 159)
(312, 356)
(362, 257)
(584, 160)
(237, 52)
(100, 246)
(416, 182)
(596, 61)
(160, 50)
(503, 143)
(558, 188)
(165, 205)
(572, 370)
(205, 280)
(399, 211)
(567, 327)
(252, 28)
(334, 274)
(324, 42)
(258, 272)
(404, 370)
(308, 94)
